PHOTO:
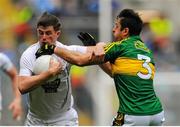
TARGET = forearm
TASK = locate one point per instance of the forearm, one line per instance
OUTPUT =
(90, 49)
(74, 57)
(93, 55)
(106, 67)
(13, 76)
(28, 83)
(16, 91)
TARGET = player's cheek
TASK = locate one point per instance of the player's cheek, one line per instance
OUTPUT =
(40, 37)
(52, 39)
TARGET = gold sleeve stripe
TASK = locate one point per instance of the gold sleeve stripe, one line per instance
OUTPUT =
(106, 48)
(131, 67)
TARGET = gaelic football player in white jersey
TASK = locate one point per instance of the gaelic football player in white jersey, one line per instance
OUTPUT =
(7, 67)
(50, 102)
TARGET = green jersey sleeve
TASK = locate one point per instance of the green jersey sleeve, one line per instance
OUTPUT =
(112, 51)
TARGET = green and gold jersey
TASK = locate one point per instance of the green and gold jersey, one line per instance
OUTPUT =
(133, 69)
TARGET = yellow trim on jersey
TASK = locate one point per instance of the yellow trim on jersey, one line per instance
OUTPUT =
(109, 46)
(106, 48)
(131, 67)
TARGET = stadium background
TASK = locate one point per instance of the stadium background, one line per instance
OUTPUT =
(94, 92)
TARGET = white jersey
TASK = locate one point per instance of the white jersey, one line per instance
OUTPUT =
(51, 99)
(5, 65)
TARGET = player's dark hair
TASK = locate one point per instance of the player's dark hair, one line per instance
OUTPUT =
(48, 19)
(131, 20)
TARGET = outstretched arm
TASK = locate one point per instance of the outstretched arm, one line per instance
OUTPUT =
(94, 55)
(88, 40)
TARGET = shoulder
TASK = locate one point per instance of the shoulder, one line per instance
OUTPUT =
(31, 50)
(3, 56)
(29, 53)
(58, 43)
(5, 62)
(112, 45)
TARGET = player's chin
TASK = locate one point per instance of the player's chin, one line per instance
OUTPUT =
(43, 42)
(117, 39)
(46, 42)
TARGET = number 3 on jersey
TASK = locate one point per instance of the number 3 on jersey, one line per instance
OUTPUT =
(146, 66)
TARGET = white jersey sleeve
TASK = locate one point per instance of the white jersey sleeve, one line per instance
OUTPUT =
(27, 61)
(5, 63)
(76, 48)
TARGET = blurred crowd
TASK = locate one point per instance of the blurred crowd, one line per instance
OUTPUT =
(17, 32)
(157, 34)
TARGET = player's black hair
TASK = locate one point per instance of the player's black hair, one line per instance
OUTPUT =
(130, 19)
(48, 19)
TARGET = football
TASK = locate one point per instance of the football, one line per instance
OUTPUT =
(42, 64)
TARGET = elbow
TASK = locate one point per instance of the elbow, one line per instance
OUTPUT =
(80, 62)
(22, 90)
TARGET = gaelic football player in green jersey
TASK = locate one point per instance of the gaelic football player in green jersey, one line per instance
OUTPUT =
(131, 64)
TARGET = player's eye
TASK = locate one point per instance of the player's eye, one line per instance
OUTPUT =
(40, 32)
(44, 33)
(115, 26)
(48, 33)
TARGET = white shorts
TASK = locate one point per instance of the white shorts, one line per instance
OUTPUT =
(69, 118)
(134, 120)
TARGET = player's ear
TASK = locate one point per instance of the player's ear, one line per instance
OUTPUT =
(58, 33)
(126, 31)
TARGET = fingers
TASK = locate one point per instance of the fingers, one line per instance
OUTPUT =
(99, 49)
(98, 54)
(55, 66)
(54, 62)
(85, 36)
(81, 38)
(89, 36)
(16, 109)
(45, 49)
(16, 115)
(90, 39)
(87, 39)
